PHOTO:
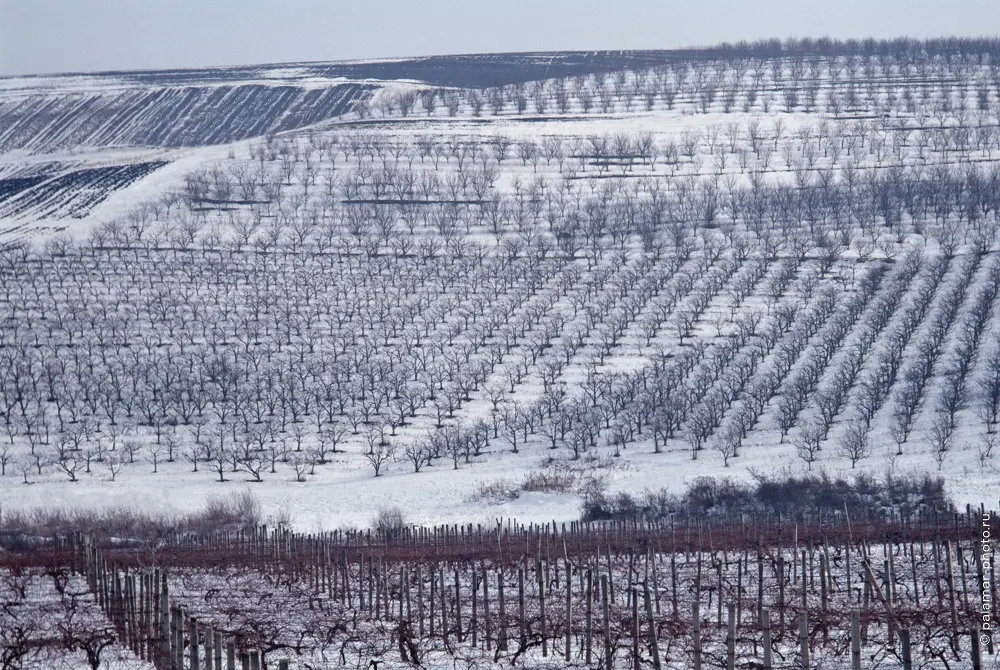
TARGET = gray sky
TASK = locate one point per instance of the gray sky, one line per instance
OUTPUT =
(84, 35)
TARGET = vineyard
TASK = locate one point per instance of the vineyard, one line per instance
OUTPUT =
(739, 593)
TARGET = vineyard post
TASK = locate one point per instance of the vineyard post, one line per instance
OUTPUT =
(760, 578)
(523, 640)
(116, 602)
(781, 592)
(182, 621)
(611, 585)
(765, 619)
(444, 607)
(687, 542)
(847, 562)
(487, 628)
(420, 602)
(855, 639)
(283, 664)
(977, 658)
(218, 650)
(673, 580)
(866, 579)
(590, 614)
(404, 581)
(993, 598)
(951, 586)
(804, 638)
(458, 604)
(169, 638)
(795, 555)
(433, 599)
(540, 569)
(822, 581)
(376, 578)
(145, 582)
(697, 577)
(193, 634)
(384, 582)
(474, 623)
(718, 604)
(173, 637)
(731, 638)
(827, 570)
(962, 578)
(254, 659)
(152, 616)
(904, 641)
(935, 547)
(805, 582)
(656, 580)
(696, 633)
(635, 628)
(165, 620)
(502, 613)
(230, 655)
(133, 629)
(569, 608)
(739, 589)
(888, 603)
(346, 582)
(607, 623)
(654, 648)
(371, 583)
(209, 648)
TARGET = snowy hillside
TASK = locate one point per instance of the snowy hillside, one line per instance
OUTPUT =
(660, 266)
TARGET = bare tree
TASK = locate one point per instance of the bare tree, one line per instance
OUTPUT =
(984, 448)
(417, 454)
(153, 453)
(379, 455)
(67, 460)
(300, 464)
(25, 464)
(114, 463)
(808, 441)
(854, 444)
(220, 458)
(728, 444)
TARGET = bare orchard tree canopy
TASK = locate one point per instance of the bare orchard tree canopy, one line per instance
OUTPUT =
(794, 256)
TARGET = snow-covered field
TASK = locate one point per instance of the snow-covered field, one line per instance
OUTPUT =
(611, 274)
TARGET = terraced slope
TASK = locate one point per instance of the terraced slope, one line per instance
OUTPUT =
(166, 116)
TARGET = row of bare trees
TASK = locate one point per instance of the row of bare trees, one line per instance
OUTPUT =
(836, 82)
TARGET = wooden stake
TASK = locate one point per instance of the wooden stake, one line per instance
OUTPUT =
(731, 638)
(520, 606)
(696, 633)
(635, 629)
(855, 640)
(590, 615)
(804, 637)
(765, 619)
(608, 661)
(654, 648)
(569, 609)
(904, 641)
